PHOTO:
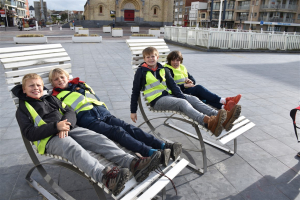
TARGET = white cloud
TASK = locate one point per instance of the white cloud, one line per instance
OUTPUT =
(63, 4)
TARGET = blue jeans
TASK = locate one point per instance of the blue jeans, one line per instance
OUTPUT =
(204, 94)
(79, 140)
(132, 138)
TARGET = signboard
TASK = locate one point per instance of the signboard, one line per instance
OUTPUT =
(2, 12)
(112, 12)
(261, 22)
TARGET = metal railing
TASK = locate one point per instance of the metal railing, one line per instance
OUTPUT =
(279, 6)
(233, 38)
(243, 7)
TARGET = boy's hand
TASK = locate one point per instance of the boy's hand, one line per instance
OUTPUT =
(187, 81)
(62, 134)
(133, 117)
(63, 125)
(189, 85)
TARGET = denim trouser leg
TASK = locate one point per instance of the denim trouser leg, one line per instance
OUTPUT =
(118, 134)
(74, 149)
(204, 94)
(135, 132)
(182, 105)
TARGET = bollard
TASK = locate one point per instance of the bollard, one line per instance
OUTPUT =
(50, 28)
(60, 28)
(36, 25)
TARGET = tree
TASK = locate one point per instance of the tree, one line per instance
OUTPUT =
(64, 16)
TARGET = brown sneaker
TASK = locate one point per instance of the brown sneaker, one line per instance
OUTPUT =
(214, 123)
(231, 117)
(140, 168)
(229, 105)
(235, 99)
(114, 179)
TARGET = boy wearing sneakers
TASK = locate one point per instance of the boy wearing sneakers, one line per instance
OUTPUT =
(93, 114)
(162, 93)
(51, 126)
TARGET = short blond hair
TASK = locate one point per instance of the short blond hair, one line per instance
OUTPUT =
(30, 76)
(149, 51)
(56, 71)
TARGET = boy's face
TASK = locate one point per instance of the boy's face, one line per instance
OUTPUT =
(60, 81)
(175, 63)
(34, 88)
(151, 60)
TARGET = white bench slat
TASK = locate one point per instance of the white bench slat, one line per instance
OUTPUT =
(237, 133)
(27, 53)
(146, 183)
(37, 62)
(48, 86)
(36, 70)
(143, 40)
(146, 44)
(43, 75)
(134, 62)
(35, 57)
(29, 48)
(162, 182)
(143, 47)
(161, 51)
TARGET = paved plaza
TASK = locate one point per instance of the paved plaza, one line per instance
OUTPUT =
(265, 166)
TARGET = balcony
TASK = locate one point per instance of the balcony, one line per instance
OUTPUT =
(21, 6)
(279, 7)
(9, 3)
(243, 18)
(247, 7)
(276, 19)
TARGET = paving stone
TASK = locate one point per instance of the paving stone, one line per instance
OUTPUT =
(275, 147)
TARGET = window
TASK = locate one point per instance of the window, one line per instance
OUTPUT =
(154, 12)
(100, 9)
(255, 14)
(298, 16)
(203, 15)
(180, 9)
(257, 2)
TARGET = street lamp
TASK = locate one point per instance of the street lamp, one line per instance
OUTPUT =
(251, 18)
(220, 14)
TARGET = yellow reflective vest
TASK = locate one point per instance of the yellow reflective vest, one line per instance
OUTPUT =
(38, 121)
(78, 101)
(154, 87)
(180, 74)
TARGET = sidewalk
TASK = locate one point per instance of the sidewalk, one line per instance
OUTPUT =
(265, 166)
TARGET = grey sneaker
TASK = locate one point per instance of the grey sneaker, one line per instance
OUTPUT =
(114, 179)
(165, 156)
(141, 167)
(176, 149)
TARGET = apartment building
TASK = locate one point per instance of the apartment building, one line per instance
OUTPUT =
(269, 15)
(15, 9)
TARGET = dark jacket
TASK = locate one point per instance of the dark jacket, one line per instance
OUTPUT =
(48, 109)
(182, 85)
(139, 83)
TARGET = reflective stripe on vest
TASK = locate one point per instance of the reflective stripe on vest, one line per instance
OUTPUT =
(154, 87)
(38, 121)
(180, 73)
(79, 102)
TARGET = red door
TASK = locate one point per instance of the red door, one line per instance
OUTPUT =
(129, 15)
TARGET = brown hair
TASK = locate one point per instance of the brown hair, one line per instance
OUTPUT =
(174, 55)
(30, 76)
(150, 50)
(56, 71)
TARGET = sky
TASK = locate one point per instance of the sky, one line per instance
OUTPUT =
(60, 5)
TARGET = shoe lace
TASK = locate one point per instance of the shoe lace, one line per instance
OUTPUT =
(111, 174)
(141, 159)
(161, 173)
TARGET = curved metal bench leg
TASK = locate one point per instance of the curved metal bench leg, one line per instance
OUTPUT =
(203, 150)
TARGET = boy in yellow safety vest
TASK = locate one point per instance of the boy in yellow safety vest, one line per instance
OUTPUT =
(94, 115)
(161, 91)
(44, 120)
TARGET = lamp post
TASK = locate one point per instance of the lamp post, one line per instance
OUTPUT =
(220, 14)
(251, 19)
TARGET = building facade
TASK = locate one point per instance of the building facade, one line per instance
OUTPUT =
(37, 10)
(15, 10)
(31, 12)
(154, 12)
(27, 9)
(269, 15)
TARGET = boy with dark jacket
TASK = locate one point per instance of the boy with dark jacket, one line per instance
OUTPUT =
(51, 126)
(161, 91)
